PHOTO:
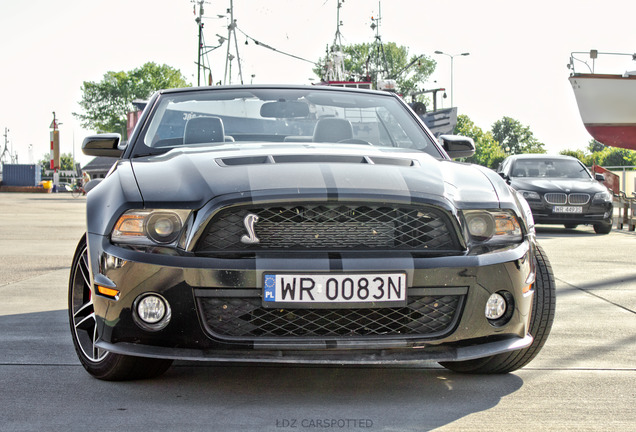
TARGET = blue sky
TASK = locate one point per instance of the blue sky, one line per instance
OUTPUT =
(517, 63)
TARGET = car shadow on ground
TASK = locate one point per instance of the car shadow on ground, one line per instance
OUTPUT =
(242, 396)
(546, 231)
(388, 398)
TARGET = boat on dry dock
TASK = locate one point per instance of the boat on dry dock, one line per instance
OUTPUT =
(606, 102)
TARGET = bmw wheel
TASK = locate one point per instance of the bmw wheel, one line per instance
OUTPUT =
(543, 308)
(98, 362)
(603, 228)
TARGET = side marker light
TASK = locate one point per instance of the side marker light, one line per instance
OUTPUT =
(108, 291)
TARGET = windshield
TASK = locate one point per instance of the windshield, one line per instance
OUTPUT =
(233, 116)
(553, 168)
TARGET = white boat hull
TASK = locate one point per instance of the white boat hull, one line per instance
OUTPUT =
(607, 104)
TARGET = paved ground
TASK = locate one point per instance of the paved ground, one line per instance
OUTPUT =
(584, 379)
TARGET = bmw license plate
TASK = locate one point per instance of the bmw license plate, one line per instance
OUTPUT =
(339, 291)
(567, 209)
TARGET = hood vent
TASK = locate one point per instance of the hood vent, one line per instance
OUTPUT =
(314, 158)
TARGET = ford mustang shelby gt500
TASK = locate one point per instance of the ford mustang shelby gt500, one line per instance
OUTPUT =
(297, 224)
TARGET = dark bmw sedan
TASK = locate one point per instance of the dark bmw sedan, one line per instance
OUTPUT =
(302, 225)
(560, 190)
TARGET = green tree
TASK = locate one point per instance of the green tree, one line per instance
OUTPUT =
(599, 154)
(613, 156)
(386, 61)
(66, 162)
(581, 155)
(488, 152)
(595, 146)
(107, 103)
(515, 138)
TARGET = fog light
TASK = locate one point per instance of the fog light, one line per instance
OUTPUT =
(153, 312)
(495, 306)
(151, 309)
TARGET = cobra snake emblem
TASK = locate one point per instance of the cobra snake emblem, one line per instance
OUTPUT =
(249, 222)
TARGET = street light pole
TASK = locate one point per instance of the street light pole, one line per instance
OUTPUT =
(452, 56)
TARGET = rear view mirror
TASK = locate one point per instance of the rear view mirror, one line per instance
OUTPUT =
(457, 146)
(599, 177)
(284, 109)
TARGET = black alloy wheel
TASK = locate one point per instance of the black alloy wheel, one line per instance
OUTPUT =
(98, 362)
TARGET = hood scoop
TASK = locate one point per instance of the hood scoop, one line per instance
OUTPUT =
(314, 158)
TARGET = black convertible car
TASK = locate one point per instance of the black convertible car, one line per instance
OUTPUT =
(302, 225)
(560, 190)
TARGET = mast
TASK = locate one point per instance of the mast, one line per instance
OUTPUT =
(231, 34)
(13, 157)
(199, 22)
(335, 66)
(380, 63)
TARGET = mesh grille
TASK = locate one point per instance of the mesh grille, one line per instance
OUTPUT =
(430, 316)
(310, 227)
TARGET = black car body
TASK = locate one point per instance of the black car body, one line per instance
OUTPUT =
(302, 224)
(560, 190)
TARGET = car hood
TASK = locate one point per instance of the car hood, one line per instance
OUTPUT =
(544, 185)
(194, 176)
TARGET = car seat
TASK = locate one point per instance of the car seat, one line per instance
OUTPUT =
(331, 129)
(203, 130)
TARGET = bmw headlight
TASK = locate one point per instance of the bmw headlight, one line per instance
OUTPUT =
(602, 197)
(530, 195)
(149, 227)
(493, 227)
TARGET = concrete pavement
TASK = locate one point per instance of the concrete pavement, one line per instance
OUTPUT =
(584, 379)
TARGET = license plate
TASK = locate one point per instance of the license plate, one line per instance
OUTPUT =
(567, 209)
(329, 290)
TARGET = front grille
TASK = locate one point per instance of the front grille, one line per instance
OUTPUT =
(330, 227)
(579, 198)
(245, 318)
(562, 198)
(556, 198)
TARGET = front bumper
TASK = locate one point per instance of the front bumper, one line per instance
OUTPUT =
(591, 213)
(334, 356)
(185, 281)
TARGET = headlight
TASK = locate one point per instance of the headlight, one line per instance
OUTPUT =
(149, 227)
(602, 197)
(493, 226)
(530, 195)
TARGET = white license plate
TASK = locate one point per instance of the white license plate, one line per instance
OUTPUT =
(329, 290)
(567, 209)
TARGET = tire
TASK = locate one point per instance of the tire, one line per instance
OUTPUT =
(543, 308)
(570, 226)
(419, 108)
(101, 364)
(603, 228)
(76, 192)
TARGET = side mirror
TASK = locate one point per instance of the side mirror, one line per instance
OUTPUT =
(599, 177)
(457, 146)
(103, 145)
(503, 175)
